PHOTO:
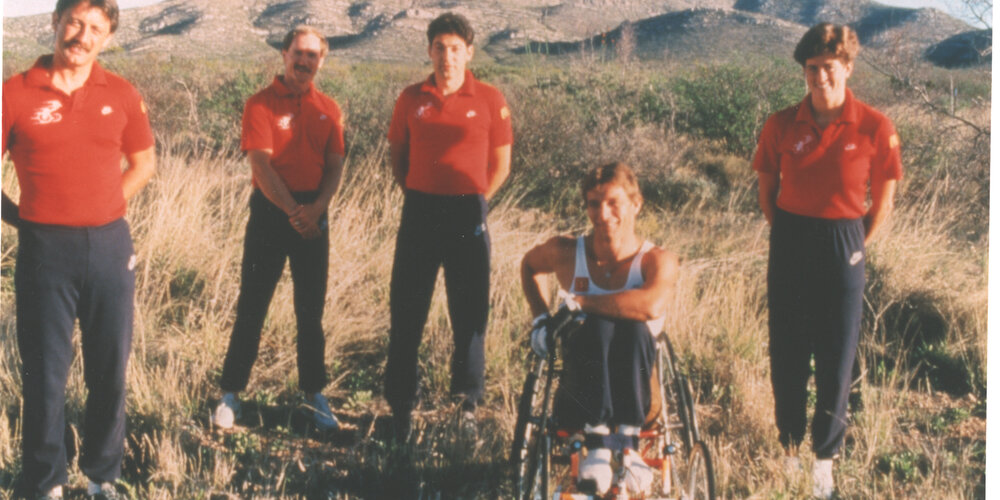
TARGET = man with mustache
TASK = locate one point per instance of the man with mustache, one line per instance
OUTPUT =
(293, 136)
(67, 124)
(449, 141)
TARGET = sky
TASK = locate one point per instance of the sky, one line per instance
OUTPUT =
(13, 8)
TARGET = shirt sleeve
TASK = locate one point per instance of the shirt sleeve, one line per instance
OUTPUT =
(257, 132)
(887, 163)
(7, 122)
(137, 135)
(399, 132)
(501, 132)
(767, 160)
(335, 144)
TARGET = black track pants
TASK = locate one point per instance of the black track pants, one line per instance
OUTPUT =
(815, 285)
(435, 231)
(64, 274)
(606, 380)
(270, 239)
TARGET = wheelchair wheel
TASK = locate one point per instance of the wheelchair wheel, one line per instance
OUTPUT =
(680, 410)
(700, 480)
(524, 454)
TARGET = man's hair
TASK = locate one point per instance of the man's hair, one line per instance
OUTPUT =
(305, 30)
(612, 173)
(450, 23)
(827, 39)
(109, 7)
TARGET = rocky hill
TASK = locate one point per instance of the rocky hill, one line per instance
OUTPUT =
(392, 30)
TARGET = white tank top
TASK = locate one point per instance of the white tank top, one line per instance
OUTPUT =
(582, 283)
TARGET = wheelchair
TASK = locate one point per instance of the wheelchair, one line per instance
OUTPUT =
(546, 457)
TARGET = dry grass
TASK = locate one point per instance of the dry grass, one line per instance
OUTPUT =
(911, 439)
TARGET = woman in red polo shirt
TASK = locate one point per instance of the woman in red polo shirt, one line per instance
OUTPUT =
(816, 163)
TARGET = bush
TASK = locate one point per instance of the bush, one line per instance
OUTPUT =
(729, 102)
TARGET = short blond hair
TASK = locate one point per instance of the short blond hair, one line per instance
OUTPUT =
(304, 30)
(826, 39)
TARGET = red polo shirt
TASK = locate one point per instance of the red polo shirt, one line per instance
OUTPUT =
(299, 129)
(450, 138)
(825, 172)
(67, 149)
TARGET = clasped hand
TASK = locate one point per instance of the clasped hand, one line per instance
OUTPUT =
(305, 220)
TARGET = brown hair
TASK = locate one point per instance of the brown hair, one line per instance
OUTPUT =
(826, 39)
(612, 173)
(305, 30)
(109, 7)
(450, 23)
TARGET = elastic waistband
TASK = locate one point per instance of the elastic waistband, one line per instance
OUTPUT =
(806, 222)
(115, 224)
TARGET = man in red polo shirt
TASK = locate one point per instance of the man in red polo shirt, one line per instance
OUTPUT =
(450, 141)
(67, 124)
(294, 139)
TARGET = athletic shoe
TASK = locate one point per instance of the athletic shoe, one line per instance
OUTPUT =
(103, 491)
(321, 413)
(595, 471)
(638, 475)
(823, 478)
(55, 493)
(225, 414)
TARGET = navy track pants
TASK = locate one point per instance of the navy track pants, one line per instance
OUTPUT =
(270, 240)
(65, 274)
(815, 287)
(439, 230)
(607, 373)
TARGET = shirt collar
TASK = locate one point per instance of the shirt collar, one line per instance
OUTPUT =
(283, 91)
(848, 115)
(40, 74)
(468, 86)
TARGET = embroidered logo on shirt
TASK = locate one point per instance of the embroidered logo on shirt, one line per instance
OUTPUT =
(422, 110)
(581, 284)
(106, 110)
(801, 145)
(471, 114)
(856, 257)
(850, 147)
(285, 122)
(47, 113)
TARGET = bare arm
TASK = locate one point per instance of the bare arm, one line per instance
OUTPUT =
(399, 154)
(141, 167)
(333, 170)
(535, 269)
(767, 186)
(269, 181)
(497, 169)
(882, 203)
(660, 268)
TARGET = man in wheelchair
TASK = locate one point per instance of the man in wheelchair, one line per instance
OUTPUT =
(623, 283)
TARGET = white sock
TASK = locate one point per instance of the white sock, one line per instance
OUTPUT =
(93, 488)
(56, 491)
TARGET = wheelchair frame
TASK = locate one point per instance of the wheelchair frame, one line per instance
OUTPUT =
(546, 458)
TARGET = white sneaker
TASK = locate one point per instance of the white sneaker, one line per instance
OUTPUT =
(638, 475)
(321, 413)
(823, 478)
(225, 414)
(596, 469)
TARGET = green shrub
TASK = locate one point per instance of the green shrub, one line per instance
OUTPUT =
(729, 102)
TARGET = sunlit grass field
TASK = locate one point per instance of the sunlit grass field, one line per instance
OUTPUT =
(919, 431)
